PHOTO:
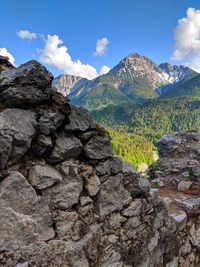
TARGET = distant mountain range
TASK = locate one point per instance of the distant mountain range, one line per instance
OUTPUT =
(134, 80)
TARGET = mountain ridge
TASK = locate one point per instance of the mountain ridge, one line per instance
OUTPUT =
(135, 78)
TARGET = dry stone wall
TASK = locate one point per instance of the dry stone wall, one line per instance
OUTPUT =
(67, 201)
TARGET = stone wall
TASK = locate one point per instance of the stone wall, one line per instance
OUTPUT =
(67, 201)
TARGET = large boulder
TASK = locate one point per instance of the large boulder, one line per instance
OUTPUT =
(80, 120)
(17, 128)
(29, 84)
(44, 176)
(24, 217)
(98, 147)
(66, 147)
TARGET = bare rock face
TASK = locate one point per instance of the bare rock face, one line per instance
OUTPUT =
(29, 84)
(65, 200)
(17, 128)
(5, 64)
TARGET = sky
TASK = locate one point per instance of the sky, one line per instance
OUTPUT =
(88, 37)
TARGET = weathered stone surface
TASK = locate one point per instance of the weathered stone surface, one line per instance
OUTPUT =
(24, 217)
(50, 121)
(184, 185)
(92, 184)
(111, 196)
(28, 84)
(17, 128)
(45, 176)
(5, 64)
(66, 148)
(80, 120)
(98, 147)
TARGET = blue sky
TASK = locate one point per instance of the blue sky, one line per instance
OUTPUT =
(142, 26)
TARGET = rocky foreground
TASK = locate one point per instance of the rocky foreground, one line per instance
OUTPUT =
(66, 201)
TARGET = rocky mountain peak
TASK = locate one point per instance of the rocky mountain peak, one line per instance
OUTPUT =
(65, 83)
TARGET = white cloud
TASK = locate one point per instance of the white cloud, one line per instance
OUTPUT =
(55, 54)
(104, 69)
(101, 46)
(187, 39)
(25, 34)
(4, 52)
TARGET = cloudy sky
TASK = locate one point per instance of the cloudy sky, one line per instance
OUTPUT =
(89, 37)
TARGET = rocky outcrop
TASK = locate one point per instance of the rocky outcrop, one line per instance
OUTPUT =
(67, 201)
(29, 84)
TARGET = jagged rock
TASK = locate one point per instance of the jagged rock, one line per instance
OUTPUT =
(24, 216)
(110, 166)
(29, 84)
(45, 176)
(85, 200)
(66, 147)
(92, 184)
(17, 128)
(80, 120)
(5, 64)
(184, 185)
(42, 145)
(50, 121)
(98, 147)
(111, 196)
(135, 184)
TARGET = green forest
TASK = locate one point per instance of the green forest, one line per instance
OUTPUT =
(136, 128)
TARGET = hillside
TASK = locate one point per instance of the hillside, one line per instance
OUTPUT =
(153, 118)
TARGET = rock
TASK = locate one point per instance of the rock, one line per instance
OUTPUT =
(134, 208)
(5, 64)
(196, 172)
(50, 121)
(184, 185)
(98, 147)
(17, 128)
(133, 182)
(43, 145)
(111, 196)
(65, 224)
(80, 120)
(24, 217)
(29, 84)
(92, 185)
(168, 144)
(66, 193)
(85, 200)
(116, 165)
(45, 176)
(66, 148)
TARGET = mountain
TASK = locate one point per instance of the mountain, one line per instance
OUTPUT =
(178, 76)
(136, 78)
(190, 87)
(65, 83)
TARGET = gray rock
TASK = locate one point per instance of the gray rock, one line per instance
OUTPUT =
(184, 185)
(80, 120)
(17, 128)
(29, 84)
(92, 184)
(111, 196)
(50, 121)
(133, 182)
(134, 209)
(24, 218)
(84, 200)
(98, 147)
(43, 145)
(45, 176)
(65, 195)
(66, 148)
(5, 64)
